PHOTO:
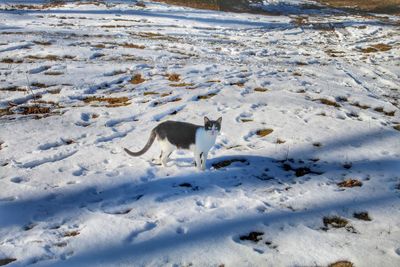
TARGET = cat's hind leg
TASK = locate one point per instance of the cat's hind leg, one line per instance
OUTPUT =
(166, 150)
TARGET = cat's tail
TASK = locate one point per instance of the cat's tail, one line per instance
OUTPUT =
(146, 147)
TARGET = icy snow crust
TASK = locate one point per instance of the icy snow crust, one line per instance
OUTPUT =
(70, 195)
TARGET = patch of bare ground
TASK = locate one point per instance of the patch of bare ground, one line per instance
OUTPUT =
(252, 236)
(375, 6)
(260, 89)
(246, 120)
(204, 97)
(240, 84)
(362, 216)
(376, 48)
(335, 53)
(53, 73)
(226, 163)
(362, 106)
(112, 101)
(341, 264)
(71, 233)
(387, 113)
(328, 102)
(350, 183)
(11, 61)
(13, 89)
(214, 81)
(49, 57)
(137, 79)
(45, 43)
(6, 261)
(181, 84)
(335, 221)
(397, 127)
(157, 103)
(150, 93)
(129, 45)
(40, 85)
(264, 132)
(280, 141)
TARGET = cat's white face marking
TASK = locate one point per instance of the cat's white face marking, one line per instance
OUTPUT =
(212, 127)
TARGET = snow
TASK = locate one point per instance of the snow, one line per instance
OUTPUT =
(72, 197)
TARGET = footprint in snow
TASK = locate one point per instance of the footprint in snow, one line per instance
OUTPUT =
(19, 180)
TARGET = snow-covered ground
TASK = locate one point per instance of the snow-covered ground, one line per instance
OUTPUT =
(326, 85)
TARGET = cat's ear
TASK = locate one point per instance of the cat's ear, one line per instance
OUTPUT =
(219, 120)
(206, 120)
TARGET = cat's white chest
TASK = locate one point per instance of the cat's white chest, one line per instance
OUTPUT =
(204, 140)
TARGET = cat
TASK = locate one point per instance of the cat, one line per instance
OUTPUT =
(173, 135)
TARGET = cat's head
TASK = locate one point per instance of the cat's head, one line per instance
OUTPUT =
(212, 127)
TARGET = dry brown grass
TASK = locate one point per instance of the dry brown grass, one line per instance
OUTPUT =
(376, 48)
(362, 106)
(397, 127)
(204, 4)
(45, 43)
(350, 183)
(53, 73)
(260, 89)
(341, 264)
(71, 233)
(240, 84)
(328, 102)
(173, 77)
(11, 61)
(150, 93)
(129, 45)
(181, 84)
(264, 132)
(137, 79)
(204, 97)
(245, 120)
(13, 89)
(29, 110)
(112, 101)
(39, 85)
(387, 113)
(362, 216)
(334, 221)
(378, 6)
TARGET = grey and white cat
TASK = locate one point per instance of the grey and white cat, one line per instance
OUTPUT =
(173, 135)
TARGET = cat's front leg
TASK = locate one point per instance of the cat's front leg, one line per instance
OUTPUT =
(197, 158)
(204, 160)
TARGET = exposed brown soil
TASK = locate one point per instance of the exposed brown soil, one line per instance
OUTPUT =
(328, 102)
